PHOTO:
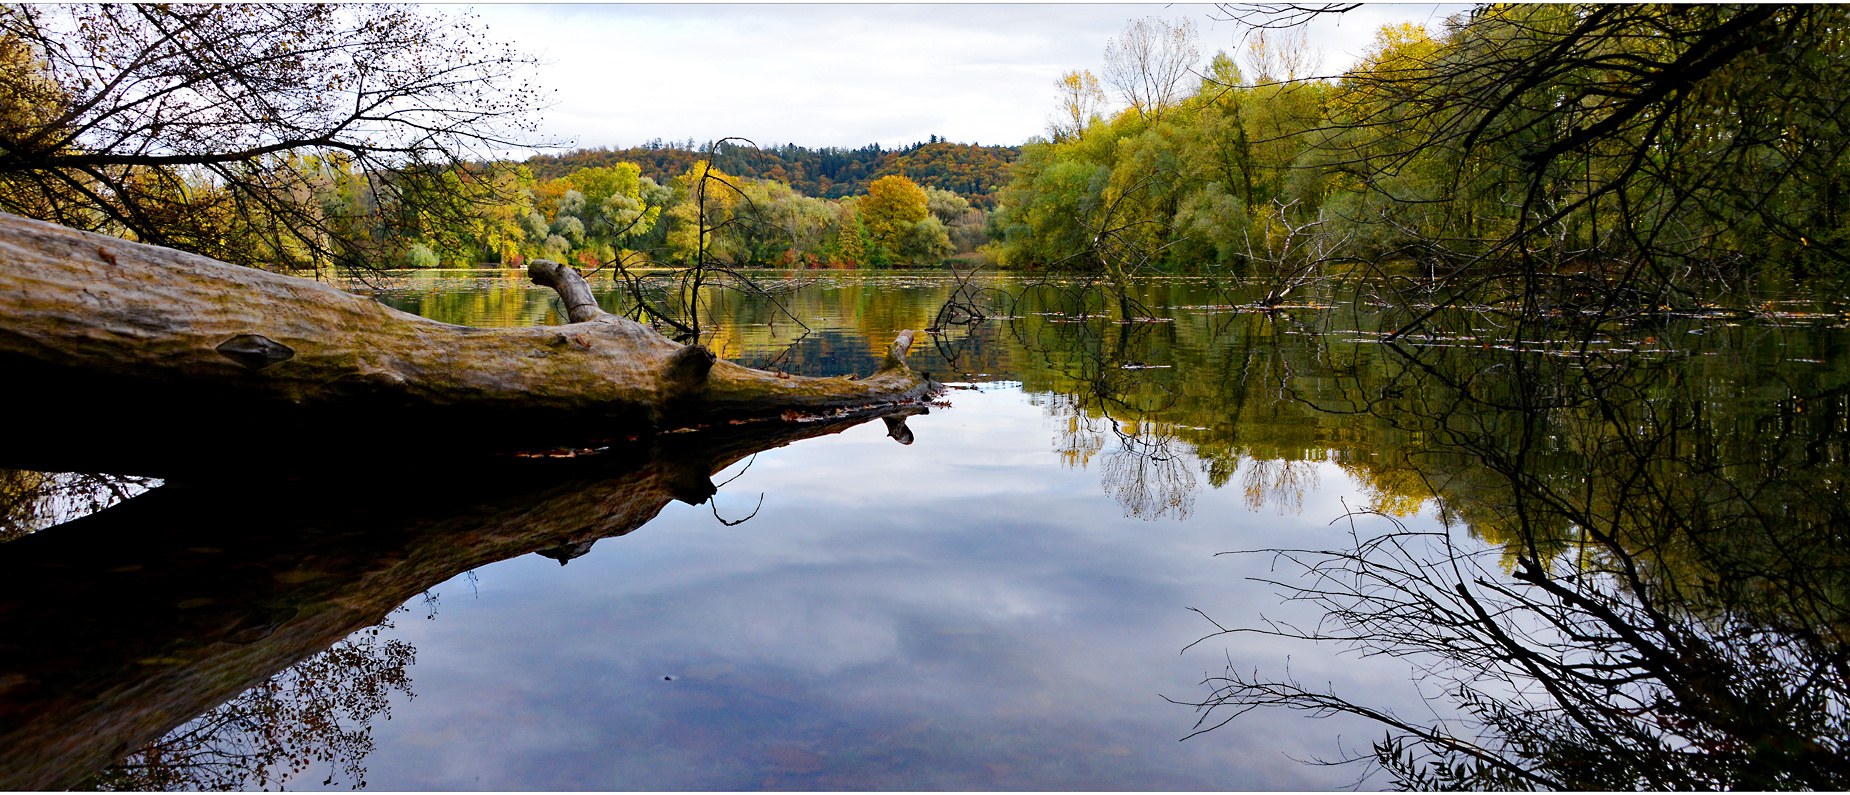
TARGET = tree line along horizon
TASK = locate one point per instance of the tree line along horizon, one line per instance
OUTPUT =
(367, 137)
(787, 206)
(1521, 137)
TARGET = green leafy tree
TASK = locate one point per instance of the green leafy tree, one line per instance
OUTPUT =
(926, 242)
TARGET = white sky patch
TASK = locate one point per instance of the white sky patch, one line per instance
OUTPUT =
(844, 75)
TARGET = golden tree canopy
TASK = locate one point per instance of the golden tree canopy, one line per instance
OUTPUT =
(892, 206)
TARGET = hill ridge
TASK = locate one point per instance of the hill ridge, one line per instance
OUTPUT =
(973, 171)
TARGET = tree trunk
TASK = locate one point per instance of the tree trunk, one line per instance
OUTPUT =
(152, 355)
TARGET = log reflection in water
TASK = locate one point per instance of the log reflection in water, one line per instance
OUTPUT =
(121, 626)
(1656, 595)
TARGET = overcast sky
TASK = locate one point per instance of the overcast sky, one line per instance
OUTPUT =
(843, 75)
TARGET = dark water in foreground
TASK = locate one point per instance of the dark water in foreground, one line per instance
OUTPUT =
(1003, 604)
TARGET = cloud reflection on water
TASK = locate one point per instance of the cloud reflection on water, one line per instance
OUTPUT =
(961, 613)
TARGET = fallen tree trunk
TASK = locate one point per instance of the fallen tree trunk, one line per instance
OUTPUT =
(248, 361)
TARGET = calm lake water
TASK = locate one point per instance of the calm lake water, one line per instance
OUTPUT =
(1008, 602)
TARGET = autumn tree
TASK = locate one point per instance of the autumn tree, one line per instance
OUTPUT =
(893, 205)
(705, 200)
(851, 240)
(223, 129)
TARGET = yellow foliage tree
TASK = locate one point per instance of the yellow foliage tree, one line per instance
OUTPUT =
(1390, 71)
(704, 199)
(892, 206)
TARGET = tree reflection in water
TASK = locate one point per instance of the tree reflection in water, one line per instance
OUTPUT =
(1113, 407)
(1638, 580)
(318, 712)
(1143, 466)
(180, 601)
(1150, 472)
(1651, 592)
(32, 501)
(1278, 482)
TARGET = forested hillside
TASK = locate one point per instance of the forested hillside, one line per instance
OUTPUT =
(971, 171)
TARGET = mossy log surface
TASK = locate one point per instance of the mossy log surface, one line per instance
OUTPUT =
(232, 354)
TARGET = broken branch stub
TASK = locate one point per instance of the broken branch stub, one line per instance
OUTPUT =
(222, 355)
(580, 303)
(896, 356)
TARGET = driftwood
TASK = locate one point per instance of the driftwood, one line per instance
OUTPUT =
(119, 627)
(118, 346)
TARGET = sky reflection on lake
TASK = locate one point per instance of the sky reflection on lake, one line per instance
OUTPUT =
(961, 613)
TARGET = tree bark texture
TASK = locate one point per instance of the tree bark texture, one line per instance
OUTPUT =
(117, 336)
